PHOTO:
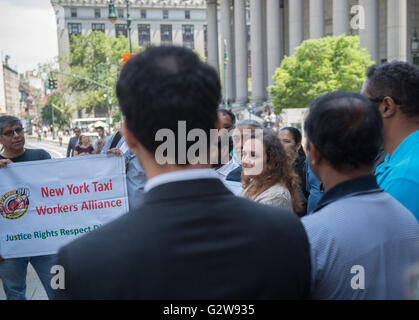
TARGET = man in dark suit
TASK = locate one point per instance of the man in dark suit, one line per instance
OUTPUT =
(191, 238)
(73, 142)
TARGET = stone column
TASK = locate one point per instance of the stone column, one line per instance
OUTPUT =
(274, 37)
(340, 17)
(397, 30)
(316, 19)
(212, 24)
(368, 37)
(256, 46)
(240, 37)
(296, 24)
(227, 36)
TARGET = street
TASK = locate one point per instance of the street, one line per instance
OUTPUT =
(34, 289)
(52, 147)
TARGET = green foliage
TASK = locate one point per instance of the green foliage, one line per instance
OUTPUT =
(319, 66)
(55, 108)
(97, 57)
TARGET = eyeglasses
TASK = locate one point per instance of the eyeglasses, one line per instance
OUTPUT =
(380, 99)
(10, 133)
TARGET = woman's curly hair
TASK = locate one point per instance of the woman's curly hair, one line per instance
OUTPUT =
(278, 170)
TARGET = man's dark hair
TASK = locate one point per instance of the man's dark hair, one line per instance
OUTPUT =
(164, 85)
(399, 80)
(346, 128)
(230, 114)
(8, 121)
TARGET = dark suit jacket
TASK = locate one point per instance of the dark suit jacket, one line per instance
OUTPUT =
(71, 145)
(191, 240)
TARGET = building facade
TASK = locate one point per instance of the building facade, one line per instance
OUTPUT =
(11, 92)
(225, 31)
(166, 22)
(387, 29)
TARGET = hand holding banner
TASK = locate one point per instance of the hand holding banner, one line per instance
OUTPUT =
(46, 204)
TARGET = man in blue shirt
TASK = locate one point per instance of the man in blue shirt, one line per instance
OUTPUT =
(136, 178)
(394, 88)
(362, 240)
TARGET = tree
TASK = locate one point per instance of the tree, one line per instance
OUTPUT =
(319, 66)
(55, 108)
(95, 56)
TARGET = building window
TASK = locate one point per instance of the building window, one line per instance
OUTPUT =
(206, 41)
(120, 13)
(74, 28)
(143, 14)
(187, 14)
(121, 29)
(73, 12)
(97, 13)
(98, 27)
(165, 14)
(166, 34)
(144, 35)
(188, 36)
(416, 61)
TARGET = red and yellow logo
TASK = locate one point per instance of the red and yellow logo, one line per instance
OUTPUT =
(14, 204)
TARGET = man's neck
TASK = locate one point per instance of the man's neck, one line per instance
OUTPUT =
(10, 154)
(154, 171)
(331, 177)
(397, 134)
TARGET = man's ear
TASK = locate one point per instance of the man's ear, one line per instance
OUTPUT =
(387, 108)
(129, 137)
(315, 157)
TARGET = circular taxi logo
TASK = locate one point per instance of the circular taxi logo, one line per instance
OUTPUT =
(14, 204)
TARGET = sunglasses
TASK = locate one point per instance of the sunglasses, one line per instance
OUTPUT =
(10, 133)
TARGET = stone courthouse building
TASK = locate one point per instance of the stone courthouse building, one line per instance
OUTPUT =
(255, 34)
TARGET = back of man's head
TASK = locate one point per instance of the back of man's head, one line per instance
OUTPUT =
(398, 80)
(164, 85)
(346, 129)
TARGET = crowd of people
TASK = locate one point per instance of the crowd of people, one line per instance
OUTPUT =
(333, 218)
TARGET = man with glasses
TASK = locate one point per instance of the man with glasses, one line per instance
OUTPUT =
(73, 142)
(12, 138)
(394, 88)
(13, 271)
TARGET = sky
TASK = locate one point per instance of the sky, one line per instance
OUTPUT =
(28, 33)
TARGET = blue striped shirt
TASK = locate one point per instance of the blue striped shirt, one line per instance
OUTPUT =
(362, 243)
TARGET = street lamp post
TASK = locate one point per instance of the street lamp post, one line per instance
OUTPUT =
(102, 66)
(112, 18)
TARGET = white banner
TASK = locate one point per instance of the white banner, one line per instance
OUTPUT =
(46, 204)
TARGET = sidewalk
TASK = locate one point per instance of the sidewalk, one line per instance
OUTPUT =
(34, 288)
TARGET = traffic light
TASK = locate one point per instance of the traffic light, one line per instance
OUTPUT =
(52, 84)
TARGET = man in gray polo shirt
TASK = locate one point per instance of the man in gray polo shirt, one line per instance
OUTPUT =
(362, 240)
